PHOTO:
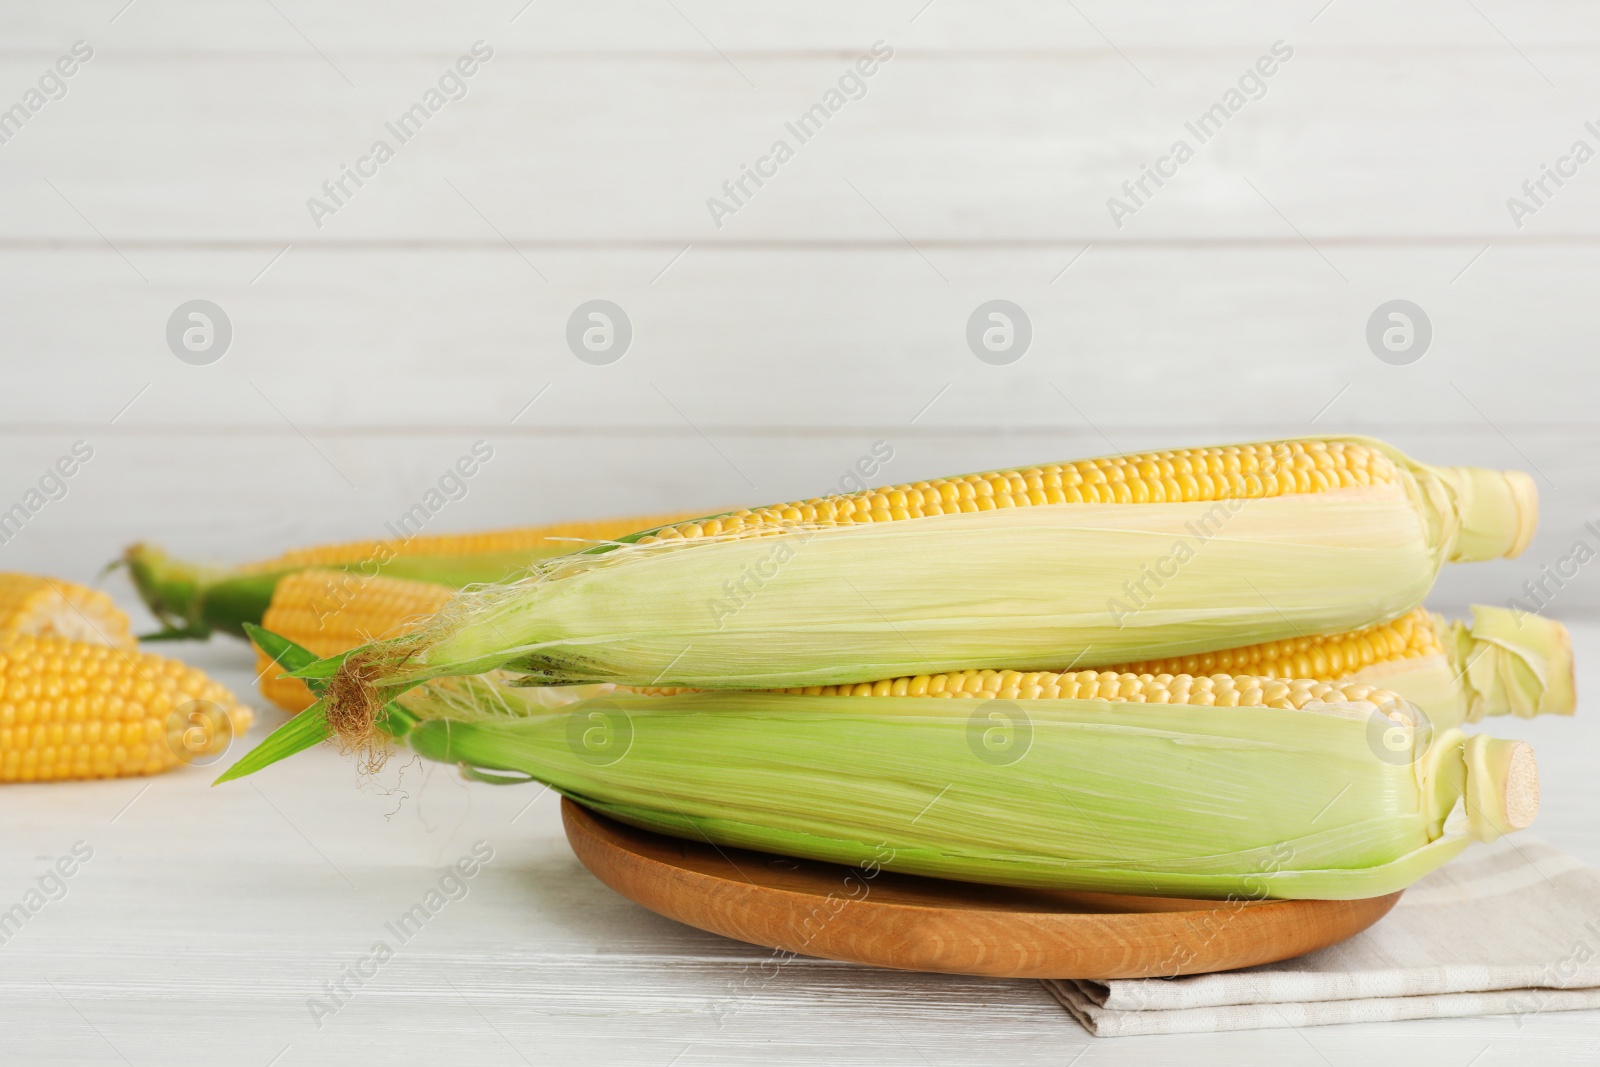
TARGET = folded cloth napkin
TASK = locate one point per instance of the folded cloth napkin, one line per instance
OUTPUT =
(1509, 928)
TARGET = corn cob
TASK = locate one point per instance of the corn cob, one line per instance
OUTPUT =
(192, 600)
(1157, 554)
(31, 605)
(328, 611)
(1181, 476)
(1453, 672)
(1209, 786)
(1206, 691)
(1412, 635)
(72, 709)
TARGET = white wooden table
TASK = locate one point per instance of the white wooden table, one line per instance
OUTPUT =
(208, 918)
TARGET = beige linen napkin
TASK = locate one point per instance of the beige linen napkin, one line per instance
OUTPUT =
(1511, 928)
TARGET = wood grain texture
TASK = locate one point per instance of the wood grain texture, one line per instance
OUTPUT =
(1229, 339)
(1380, 144)
(698, 27)
(925, 924)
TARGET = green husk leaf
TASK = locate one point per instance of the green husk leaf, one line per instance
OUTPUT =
(193, 601)
(1032, 588)
(310, 726)
(284, 652)
(325, 667)
(1063, 794)
(1515, 661)
(306, 729)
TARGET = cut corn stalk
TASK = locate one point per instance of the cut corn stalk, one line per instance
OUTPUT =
(35, 606)
(72, 709)
(1157, 554)
(192, 600)
(1208, 787)
(1502, 662)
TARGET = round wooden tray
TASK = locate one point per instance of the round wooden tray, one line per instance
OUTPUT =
(926, 924)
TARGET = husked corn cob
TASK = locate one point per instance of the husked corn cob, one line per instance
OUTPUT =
(1155, 554)
(328, 611)
(35, 606)
(71, 709)
(193, 600)
(1182, 475)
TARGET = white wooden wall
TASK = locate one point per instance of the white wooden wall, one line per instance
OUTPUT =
(829, 312)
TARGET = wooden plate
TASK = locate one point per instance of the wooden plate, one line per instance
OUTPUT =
(926, 924)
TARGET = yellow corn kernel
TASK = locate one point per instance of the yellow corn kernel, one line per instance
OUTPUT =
(557, 537)
(31, 605)
(1327, 657)
(1274, 469)
(1217, 690)
(72, 709)
(331, 611)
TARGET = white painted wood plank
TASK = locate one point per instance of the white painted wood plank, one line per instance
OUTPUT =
(1378, 143)
(701, 26)
(207, 918)
(1230, 338)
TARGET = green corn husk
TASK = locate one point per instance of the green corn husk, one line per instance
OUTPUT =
(1067, 794)
(1032, 587)
(192, 600)
(1516, 661)
(1351, 795)
(1501, 663)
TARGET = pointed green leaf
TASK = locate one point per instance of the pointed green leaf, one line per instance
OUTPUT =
(284, 652)
(322, 668)
(308, 728)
